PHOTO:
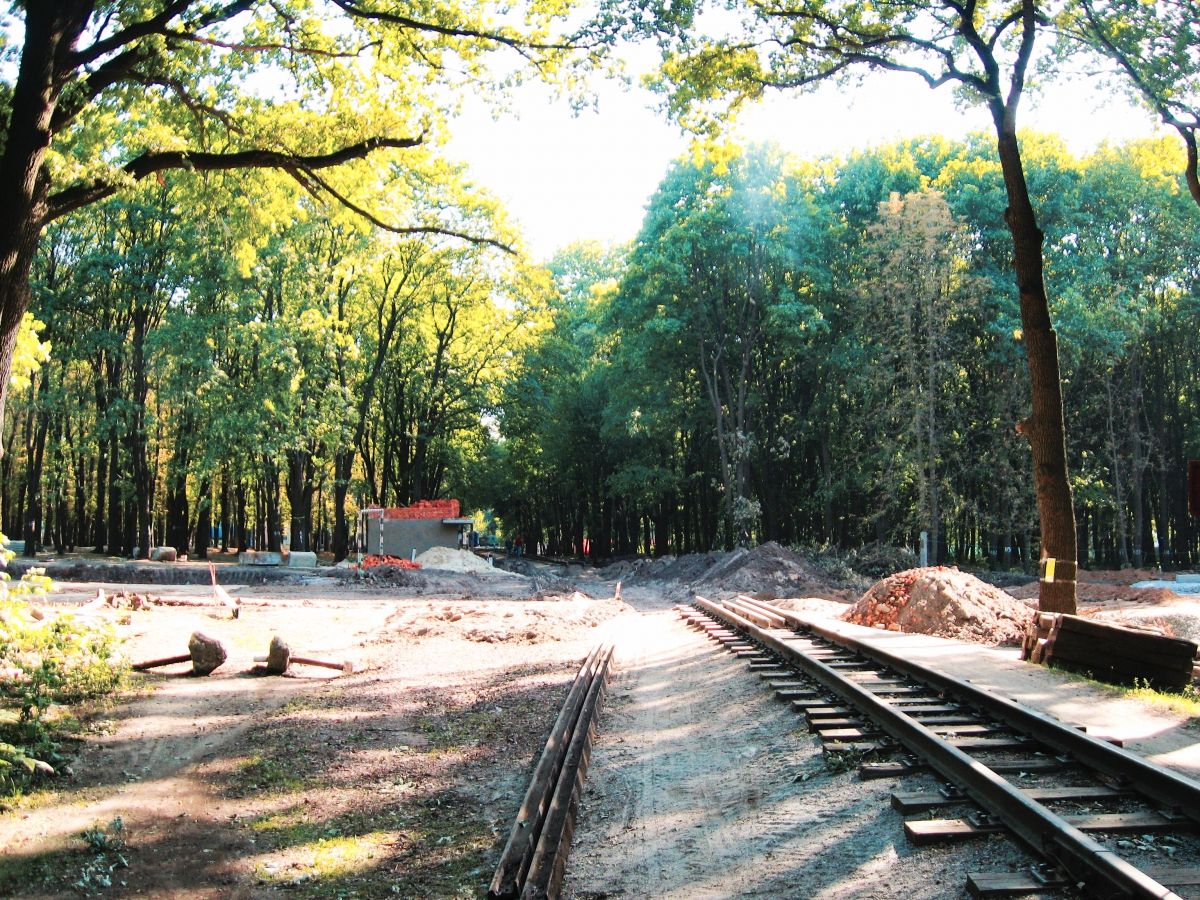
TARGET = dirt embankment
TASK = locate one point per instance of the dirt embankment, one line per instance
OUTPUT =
(769, 568)
(448, 583)
(1089, 591)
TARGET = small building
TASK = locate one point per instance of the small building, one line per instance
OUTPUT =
(408, 530)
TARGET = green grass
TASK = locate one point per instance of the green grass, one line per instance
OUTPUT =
(1185, 702)
(261, 775)
(426, 850)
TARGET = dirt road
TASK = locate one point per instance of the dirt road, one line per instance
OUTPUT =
(704, 786)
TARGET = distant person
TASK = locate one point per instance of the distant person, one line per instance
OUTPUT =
(517, 547)
(508, 547)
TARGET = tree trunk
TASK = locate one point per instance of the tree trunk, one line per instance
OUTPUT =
(116, 539)
(1119, 513)
(1045, 428)
(203, 519)
(343, 469)
(300, 488)
(139, 462)
(224, 510)
(274, 512)
(33, 514)
(51, 30)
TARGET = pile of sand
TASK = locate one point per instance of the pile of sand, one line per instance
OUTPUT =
(945, 602)
(453, 560)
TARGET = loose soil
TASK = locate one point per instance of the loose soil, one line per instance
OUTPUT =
(945, 602)
(769, 569)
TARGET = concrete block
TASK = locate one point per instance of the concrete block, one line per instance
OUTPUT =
(1181, 577)
(163, 554)
(16, 546)
(301, 559)
(260, 558)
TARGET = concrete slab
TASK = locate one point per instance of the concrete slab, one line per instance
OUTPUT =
(163, 554)
(300, 559)
(260, 558)
(1182, 585)
(1157, 733)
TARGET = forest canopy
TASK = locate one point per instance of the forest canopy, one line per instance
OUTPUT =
(808, 351)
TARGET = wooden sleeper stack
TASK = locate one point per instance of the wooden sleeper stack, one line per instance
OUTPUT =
(1111, 653)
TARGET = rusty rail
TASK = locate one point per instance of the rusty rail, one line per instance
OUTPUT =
(534, 858)
(1084, 860)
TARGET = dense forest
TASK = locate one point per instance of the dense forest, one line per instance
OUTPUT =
(809, 351)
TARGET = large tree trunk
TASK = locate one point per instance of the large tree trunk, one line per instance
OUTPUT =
(203, 519)
(300, 488)
(273, 508)
(51, 30)
(343, 468)
(1045, 427)
(178, 507)
(140, 469)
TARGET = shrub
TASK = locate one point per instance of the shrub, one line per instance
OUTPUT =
(60, 658)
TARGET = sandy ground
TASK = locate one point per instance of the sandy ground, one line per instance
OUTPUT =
(704, 786)
(402, 780)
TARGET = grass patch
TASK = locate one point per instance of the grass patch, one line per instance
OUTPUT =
(1185, 702)
(428, 849)
(45, 870)
(260, 774)
(89, 871)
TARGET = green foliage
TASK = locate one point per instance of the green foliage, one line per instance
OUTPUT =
(59, 660)
(870, 301)
(1150, 48)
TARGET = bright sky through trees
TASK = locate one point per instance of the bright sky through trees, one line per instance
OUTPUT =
(567, 178)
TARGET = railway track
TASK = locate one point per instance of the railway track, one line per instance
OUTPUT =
(1006, 767)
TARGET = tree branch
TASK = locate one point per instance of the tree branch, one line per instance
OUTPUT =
(302, 174)
(352, 9)
(131, 33)
(79, 195)
(263, 48)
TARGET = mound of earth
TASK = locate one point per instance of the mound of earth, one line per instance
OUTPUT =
(814, 605)
(1099, 592)
(944, 602)
(767, 569)
(453, 560)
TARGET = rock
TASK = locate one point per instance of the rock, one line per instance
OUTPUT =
(278, 656)
(163, 554)
(207, 653)
(260, 558)
(299, 559)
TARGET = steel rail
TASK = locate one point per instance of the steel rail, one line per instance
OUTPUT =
(1173, 790)
(1086, 861)
(527, 829)
(544, 879)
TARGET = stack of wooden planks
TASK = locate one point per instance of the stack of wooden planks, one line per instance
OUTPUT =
(1111, 653)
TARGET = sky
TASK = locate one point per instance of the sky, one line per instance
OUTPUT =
(568, 177)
